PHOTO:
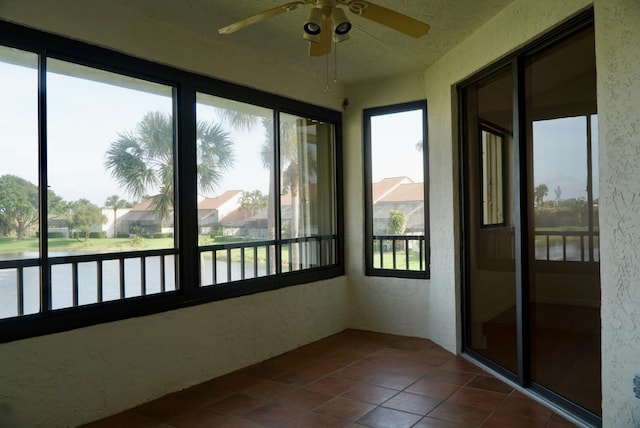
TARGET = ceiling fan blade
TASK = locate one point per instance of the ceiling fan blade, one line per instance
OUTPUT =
(323, 46)
(388, 17)
(261, 16)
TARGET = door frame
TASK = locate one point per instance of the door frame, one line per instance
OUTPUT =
(523, 244)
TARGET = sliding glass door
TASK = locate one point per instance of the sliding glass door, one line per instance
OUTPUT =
(530, 198)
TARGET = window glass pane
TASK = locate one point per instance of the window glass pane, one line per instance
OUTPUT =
(110, 159)
(490, 208)
(19, 154)
(397, 190)
(235, 196)
(564, 289)
(19, 194)
(307, 194)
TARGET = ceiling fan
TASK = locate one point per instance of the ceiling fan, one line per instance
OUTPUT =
(327, 19)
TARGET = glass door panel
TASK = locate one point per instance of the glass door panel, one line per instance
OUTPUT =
(563, 208)
(490, 220)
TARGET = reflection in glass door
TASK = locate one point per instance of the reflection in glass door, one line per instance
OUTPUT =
(530, 198)
(564, 287)
(490, 225)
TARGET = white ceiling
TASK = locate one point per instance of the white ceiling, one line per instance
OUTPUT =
(373, 51)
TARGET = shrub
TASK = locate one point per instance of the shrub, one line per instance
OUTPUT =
(163, 235)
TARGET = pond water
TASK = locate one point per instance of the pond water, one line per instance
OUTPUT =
(62, 280)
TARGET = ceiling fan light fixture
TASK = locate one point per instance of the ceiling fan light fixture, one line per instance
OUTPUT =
(313, 24)
(341, 24)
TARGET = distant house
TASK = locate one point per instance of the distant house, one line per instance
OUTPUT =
(109, 227)
(58, 226)
(239, 223)
(398, 194)
(142, 220)
(212, 210)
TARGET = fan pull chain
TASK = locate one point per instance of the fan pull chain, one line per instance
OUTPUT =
(335, 66)
(326, 88)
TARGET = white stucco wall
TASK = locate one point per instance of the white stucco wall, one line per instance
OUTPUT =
(82, 375)
(389, 305)
(618, 64)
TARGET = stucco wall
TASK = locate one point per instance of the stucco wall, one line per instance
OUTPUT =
(618, 64)
(82, 375)
(387, 305)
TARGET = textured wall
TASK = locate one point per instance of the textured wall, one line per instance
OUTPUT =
(82, 375)
(618, 63)
(387, 305)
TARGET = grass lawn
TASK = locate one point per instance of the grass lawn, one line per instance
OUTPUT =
(92, 245)
(401, 263)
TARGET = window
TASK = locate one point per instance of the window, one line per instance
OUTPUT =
(159, 187)
(246, 229)
(492, 176)
(396, 191)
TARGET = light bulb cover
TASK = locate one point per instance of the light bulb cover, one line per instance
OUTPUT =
(313, 24)
(341, 24)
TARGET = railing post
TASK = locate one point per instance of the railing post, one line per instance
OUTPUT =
(20, 290)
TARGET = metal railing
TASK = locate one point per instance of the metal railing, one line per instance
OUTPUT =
(396, 251)
(555, 246)
(237, 261)
(77, 280)
(573, 246)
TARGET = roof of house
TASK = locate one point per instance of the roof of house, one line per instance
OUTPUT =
(218, 201)
(382, 188)
(404, 192)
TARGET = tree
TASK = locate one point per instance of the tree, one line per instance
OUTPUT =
(19, 202)
(85, 217)
(558, 193)
(397, 222)
(291, 154)
(55, 204)
(539, 193)
(115, 203)
(142, 162)
(253, 202)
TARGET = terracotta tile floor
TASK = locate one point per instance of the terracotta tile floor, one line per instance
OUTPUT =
(352, 379)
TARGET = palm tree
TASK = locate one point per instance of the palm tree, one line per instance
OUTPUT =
(539, 193)
(291, 177)
(115, 203)
(142, 162)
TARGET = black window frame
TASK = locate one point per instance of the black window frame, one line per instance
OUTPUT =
(186, 84)
(367, 114)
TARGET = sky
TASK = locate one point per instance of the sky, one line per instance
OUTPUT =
(84, 118)
(393, 139)
(560, 156)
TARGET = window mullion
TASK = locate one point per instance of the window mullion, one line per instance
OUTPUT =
(277, 190)
(45, 268)
(186, 185)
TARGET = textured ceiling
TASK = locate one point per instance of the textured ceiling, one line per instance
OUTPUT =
(373, 51)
